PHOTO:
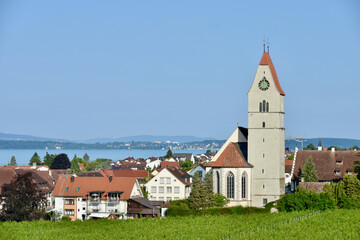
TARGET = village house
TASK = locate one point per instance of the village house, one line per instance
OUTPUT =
(184, 157)
(95, 197)
(43, 180)
(171, 183)
(330, 166)
(200, 169)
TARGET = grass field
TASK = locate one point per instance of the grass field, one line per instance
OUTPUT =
(336, 224)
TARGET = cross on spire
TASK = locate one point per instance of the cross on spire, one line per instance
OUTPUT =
(266, 42)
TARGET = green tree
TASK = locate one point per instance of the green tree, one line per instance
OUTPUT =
(195, 198)
(61, 161)
(35, 159)
(309, 172)
(310, 147)
(351, 187)
(357, 168)
(185, 165)
(86, 157)
(23, 200)
(48, 159)
(99, 164)
(169, 154)
(13, 161)
(75, 168)
(209, 198)
(355, 148)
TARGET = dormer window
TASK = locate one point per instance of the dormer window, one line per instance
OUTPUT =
(339, 161)
(66, 189)
(337, 172)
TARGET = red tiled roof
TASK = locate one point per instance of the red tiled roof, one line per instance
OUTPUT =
(266, 60)
(89, 184)
(131, 173)
(230, 157)
(164, 164)
(326, 163)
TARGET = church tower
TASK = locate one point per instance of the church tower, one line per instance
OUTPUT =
(266, 134)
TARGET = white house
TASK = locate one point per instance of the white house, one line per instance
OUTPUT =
(171, 183)
(95, 197)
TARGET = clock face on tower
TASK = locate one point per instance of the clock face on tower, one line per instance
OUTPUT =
(264, 84)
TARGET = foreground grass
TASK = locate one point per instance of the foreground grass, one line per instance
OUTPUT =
(336, 224)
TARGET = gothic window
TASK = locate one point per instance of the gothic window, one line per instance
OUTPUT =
(230, 185)
(243, 186)
(264, 105)
(263, 124)
(218, 182)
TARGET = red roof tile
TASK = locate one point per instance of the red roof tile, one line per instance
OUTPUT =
(89, 184)
(230, 157)
(266, 60)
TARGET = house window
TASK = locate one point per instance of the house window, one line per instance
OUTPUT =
(153, 189)
(161, 198)
(176, 189)
(168, 189)
(264, 201)
(243, 185)
(337, 172)
(66, 189)
(264, 105)
(69, 202)
(263, 140)
(161, 189)
(77, 189)
(267, 106)
(168, 199)
(230, 185)
(168, 180)
(263, 155)
(69, 212)
(349, 172)
(176, 198)
(263, 185)
(162, 180)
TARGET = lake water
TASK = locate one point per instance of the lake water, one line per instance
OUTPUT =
(23, 156)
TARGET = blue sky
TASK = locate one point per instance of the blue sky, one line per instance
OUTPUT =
(87, 69)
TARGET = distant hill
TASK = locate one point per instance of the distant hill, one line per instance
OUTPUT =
(147, 138)
(326, 142)
(17, 137)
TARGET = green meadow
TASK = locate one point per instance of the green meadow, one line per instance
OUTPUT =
(334, 224)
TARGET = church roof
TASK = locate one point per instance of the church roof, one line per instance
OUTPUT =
(266, 60)
(234, 155)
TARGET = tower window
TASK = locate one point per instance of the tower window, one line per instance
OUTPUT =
(263, 140)
(263, 155)
(264, 106)
(263, 170)
(263, 124)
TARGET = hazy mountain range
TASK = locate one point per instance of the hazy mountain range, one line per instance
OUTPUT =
(27, 141)
(140, 138)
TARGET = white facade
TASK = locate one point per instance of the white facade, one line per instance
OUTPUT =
(266, 138)
(165, 187)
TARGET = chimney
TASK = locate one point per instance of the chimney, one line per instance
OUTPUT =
(72, 178)
(110, 178)
(333, 149)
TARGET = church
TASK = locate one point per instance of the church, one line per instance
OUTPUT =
(249, 169)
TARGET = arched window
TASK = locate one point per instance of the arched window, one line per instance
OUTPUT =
(230, 185)
(267, 106)
(218, 182)
(243, 185)
(264, 105)
(263, 124)
(260, 107)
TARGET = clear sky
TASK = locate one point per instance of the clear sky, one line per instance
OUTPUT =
(88, 69)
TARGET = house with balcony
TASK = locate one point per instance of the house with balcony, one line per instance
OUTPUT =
(171, 183)
(95, 197)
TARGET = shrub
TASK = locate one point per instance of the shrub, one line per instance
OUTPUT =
(65, 218)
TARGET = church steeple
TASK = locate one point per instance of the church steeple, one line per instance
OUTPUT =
(266, 60)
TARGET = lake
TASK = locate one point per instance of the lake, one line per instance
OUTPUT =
(23, 156)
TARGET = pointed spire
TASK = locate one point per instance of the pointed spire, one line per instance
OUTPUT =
(266, 60)
(319, 144)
